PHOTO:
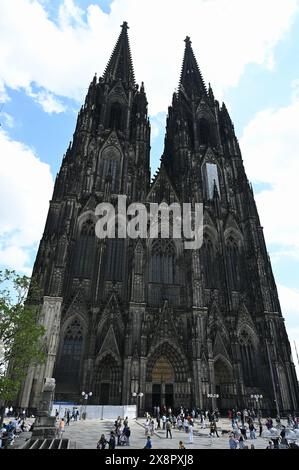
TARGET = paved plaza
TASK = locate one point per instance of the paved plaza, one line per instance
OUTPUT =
(87, 433)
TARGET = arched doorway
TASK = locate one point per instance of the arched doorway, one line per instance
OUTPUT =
(162, 383)
(224, 384)
(108, 382)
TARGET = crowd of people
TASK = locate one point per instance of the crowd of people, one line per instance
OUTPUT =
(245, 426)
(12, 430)
(184, 421)
(246, 422)
(120, 436)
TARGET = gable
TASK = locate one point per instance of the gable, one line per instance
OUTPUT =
(110, 343)
(219, 347)
(162, 189)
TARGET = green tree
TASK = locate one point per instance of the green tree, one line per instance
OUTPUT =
(20, 333)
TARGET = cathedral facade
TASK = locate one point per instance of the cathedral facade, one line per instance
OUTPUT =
(146, 316)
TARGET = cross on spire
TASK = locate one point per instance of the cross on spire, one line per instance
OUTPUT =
(125, 26)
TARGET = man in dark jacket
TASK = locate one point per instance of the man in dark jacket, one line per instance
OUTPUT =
(112, 441)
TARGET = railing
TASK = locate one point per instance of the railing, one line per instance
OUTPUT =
(47, 444)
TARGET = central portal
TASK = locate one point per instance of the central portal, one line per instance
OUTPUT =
(162, 384)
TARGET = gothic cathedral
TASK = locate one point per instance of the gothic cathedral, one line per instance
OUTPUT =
(127, 316)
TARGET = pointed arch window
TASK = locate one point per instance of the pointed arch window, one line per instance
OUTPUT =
(162, 262)
(85, 250)
(68, 369)
(116, 117)
(233, 263)
(209, 261)
(204, 132)
(248, 358)
(211, 180)
(110, 166)
(114, 263)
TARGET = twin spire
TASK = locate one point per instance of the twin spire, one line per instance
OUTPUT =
(120, 66)
(191, 78)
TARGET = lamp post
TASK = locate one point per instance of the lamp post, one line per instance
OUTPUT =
(137, 396)
(85, 397)
(213, 396)
(257, 398)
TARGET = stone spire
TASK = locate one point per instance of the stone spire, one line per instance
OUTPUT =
(120, 66)
(191, 80)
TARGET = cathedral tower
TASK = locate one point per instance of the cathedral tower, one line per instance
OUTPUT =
(147, 316)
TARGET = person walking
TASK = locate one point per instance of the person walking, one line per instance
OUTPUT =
(252, 431)
(148, 444)
(241, 442)
(168, 429)
(127, 433)
(118, 434)
(112, 441)
(68, 417)
(61, 428)
(147, 427)
(158, 421)
(213, 429)
(260, 427)
(216, 429)
(191, 433)
(186, 425)
(164, 421)
(243, 431)
(232, 442)
(102, 442)
(179, 423)
(152, 427)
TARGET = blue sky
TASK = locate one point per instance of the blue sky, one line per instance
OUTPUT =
(50, 51)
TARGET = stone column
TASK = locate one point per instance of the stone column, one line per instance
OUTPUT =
(142, 383)
(50, 318)
(45, 424)
(126, 389)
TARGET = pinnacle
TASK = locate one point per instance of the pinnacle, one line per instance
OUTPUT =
(191, 79)
(120, 66)
(125, 26)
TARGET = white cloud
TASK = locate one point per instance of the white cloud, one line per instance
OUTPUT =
(3, 94)
(295, 87)
(270, 147)
(26, 187)
(70, 14)
(47, 101)
(62, 57)
(158, 123)
(7, 119)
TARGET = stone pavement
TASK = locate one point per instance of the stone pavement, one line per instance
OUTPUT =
(87, 433)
